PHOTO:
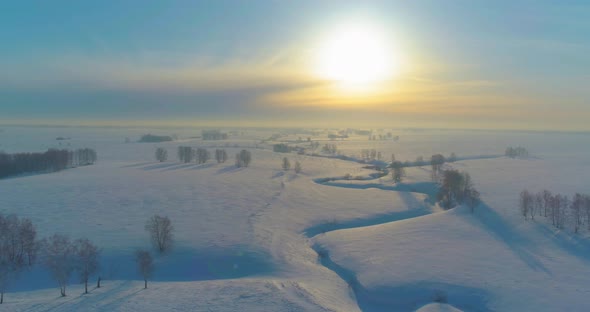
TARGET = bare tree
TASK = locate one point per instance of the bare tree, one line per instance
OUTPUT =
(220, 155)
(145, 265)
(546, 201)
(86, 260)
(202, 155)
(58, 257)
(576, 207)
(297, 167)
(525, 203)
(539, 204)
(161, 154)
(161, 232)
(587, 209)
(185, 154)
(18, 248)
(286, 164)
(470, 196)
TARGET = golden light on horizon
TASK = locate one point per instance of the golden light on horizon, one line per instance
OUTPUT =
(356, 55)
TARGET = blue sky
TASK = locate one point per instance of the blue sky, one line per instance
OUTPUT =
(488, 64)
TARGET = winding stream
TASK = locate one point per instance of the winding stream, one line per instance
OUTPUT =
(367, 300)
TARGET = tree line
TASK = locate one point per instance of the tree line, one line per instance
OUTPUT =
(187, 154)
(560, 209)
(51, 160)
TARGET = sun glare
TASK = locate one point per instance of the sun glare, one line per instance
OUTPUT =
(356, 55)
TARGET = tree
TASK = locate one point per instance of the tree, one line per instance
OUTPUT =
(451, 190)
(577, 207)
(220, 155)
(185, 154)
(243, 158)
(145, 265)
(546, 201)
(437, 162)
(161, 154)
(526, 201)
(58, 258)
(286, 165)
(18, 248)
(202, 155)
(160, 230)
(86, 260)
(297, 167)
(398, 171)
(469, 196)
(472, 199)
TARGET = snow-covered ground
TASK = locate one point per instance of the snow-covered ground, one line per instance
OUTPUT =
(261, 239)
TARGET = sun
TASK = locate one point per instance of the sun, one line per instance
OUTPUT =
(356, 54)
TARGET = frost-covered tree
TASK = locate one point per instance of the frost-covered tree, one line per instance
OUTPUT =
(526, 201)
(577, 207)
(145, 265)
(547, 196)
(161, 154)
(59, 259)
(18, 248)
(243, 158)
(86, 257)
(161, 233)
(220, 155)
(286, 164)
(185, 154)
(202, 155)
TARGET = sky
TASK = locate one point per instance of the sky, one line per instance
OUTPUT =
(458, 64)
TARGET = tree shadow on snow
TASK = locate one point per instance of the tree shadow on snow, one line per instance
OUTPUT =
(228, 169)
(181, 264)
(157, 166)
(137, 165)
(576, 246)
(522, 247)
(179, 167)
(202, 166)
